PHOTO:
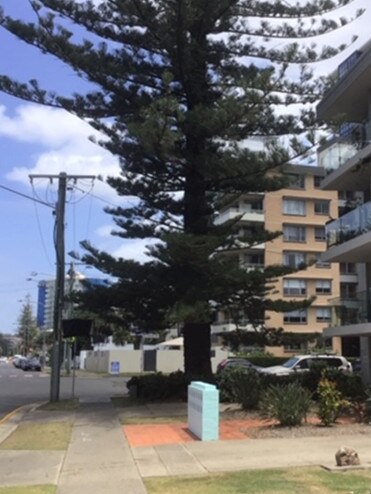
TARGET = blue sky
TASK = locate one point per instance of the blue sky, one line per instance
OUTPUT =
(40, 140)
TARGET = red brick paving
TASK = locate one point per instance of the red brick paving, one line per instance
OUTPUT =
(175, 433)
(157, 434)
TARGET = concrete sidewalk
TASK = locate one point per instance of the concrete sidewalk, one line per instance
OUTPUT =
(100, 460)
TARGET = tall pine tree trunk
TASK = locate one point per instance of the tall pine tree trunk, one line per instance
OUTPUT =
(197, 343)
(197, 352)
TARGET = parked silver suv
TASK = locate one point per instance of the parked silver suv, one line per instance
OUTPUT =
(303, 363)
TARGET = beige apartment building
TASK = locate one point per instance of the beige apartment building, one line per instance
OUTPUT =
(300, 212)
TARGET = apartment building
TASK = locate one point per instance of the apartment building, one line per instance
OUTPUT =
(347, 157)
(46, 296)
(300, 212)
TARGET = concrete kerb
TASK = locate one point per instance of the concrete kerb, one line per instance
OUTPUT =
(11, 421)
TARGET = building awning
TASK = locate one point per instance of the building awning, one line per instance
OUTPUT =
(176, 342)
(363, 329)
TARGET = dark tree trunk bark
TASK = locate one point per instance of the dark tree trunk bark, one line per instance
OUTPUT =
(197, 353)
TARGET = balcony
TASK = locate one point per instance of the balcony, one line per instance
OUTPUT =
(248, 215)
(349, 95)
(349, 237)
(252, 266)
(345, 157)
(335, 152)
(349, 311)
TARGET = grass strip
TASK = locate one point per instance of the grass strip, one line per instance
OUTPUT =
(43, 436)
(29, 489)
(62, 405)
(274, 481)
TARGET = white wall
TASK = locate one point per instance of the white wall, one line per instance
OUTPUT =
(131, 360)
(170, 360)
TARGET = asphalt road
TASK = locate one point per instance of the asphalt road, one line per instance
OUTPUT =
(18, 387)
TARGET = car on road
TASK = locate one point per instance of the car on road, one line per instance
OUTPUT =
(17, 360)
(303, 363)
(232, 362)
(31, 364)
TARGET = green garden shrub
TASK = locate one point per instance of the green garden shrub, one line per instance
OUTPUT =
(289, 403)
(240, 385)
(330, 401)
(162, 387)
(159, 387)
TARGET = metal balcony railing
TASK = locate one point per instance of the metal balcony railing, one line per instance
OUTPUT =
(350, 225)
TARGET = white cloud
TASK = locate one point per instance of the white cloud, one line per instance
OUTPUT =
(134, 249)
(64, 146)
(104, 231)
(46, 126)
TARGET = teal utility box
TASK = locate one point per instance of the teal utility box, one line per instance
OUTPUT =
(203, 410)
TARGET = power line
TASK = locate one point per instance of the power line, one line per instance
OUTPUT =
(25, 196)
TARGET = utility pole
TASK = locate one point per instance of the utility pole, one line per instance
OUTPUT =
(59, 244)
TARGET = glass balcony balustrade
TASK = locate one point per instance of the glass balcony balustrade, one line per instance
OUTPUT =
(337, 150)
(350, 225)
(347, 311)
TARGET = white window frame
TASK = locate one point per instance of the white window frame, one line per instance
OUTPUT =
(294, 233)
(296, 317)
(296, 254)
(294, 206)
(323, 314)
(296, 181)
(323, 287)
(319, 204)
(319, 238)
(316, 179)
(294, 287)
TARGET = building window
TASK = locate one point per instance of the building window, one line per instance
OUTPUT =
(320, 263)
(323, 287)
(294, 259)
(321, 207)
(348, 290)
(253, 260)
(323, 314)
(257, 206)
(293, 233)
(294, 206)
(294, 287)
(346, 195)
(293, 347)
(295, 317)
(319, 233)
(317, 181)
(347, 268)
(296, 181)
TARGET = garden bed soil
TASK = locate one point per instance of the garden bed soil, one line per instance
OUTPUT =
(255, 427)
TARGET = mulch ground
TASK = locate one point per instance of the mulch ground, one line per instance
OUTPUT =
(239, 425)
